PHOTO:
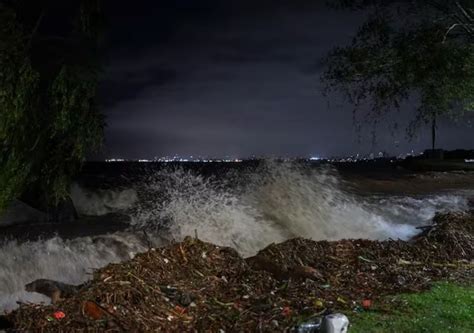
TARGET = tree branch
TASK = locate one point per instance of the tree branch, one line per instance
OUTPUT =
(36, 27)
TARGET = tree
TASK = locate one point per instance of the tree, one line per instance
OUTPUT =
(408, 49)
(49, 121)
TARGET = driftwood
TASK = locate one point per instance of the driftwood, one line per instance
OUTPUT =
(53, 289)
(283, 272)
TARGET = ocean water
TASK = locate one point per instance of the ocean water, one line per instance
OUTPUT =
(245, 209)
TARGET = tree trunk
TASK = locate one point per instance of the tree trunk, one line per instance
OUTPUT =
(433, 132)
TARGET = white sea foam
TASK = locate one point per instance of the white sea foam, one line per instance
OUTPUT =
(278, 202)
(69, 261)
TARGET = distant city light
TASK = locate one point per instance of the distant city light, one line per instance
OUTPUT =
(115, 160)
(177, 159)
(357, 157)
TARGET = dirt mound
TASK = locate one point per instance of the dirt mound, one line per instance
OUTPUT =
(196, 286)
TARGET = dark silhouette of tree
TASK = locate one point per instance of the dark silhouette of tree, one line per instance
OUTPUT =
(49, 69)
(418, 49)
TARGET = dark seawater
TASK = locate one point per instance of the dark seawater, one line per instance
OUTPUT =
(127, 207)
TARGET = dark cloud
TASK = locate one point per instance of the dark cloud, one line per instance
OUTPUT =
(233, 78)
(127, 84)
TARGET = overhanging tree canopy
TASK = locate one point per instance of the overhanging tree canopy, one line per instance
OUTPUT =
(48, 80)
(422, 49)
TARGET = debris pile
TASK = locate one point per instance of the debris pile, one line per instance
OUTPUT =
(197, 286)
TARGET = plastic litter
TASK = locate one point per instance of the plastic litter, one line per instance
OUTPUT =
(312, 326)
(367, 304)
(59, 315)
(335, 323)
(286, 311)
(319, 304)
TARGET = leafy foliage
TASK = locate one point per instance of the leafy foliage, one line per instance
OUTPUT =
(19, 84)
(407, 49)
(49, 121)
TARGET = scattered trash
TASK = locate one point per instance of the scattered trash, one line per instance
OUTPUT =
(404, 262)
(319, 303)
(335, 323)
(189, 294)
(341, 300)
(312, 326)
(286, 311)
(331, 323)
(180, 310)
(364, 259)
(358, 309)
(59, 315)
(366, 304)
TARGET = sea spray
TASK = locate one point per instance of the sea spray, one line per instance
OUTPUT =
(182, 203)
(70, 261)
(310, 203)
(276, 202)
(102, 202)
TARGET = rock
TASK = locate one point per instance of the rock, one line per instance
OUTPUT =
(20, 212)
(53, 289)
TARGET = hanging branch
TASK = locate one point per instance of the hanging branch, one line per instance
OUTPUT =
(36, 28)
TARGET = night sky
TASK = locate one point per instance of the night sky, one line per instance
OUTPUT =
(236, 78)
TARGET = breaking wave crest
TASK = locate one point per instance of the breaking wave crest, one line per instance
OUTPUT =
(278, 202)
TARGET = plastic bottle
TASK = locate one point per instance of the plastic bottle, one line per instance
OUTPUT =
(335, 323)
(312, 326)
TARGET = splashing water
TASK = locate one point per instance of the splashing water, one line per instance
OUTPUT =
(102, 202)
(246, 210)
(69, 261)
(278, 202)
(185, 203)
